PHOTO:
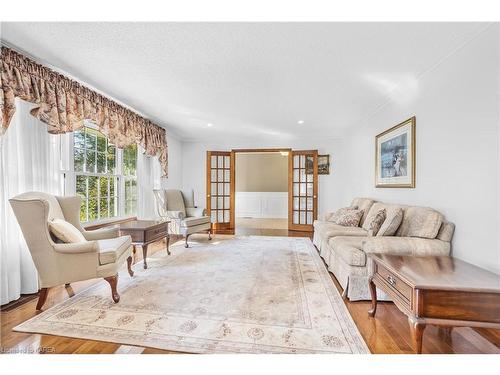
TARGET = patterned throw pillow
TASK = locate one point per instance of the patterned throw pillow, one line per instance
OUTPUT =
(391, 223)
(340, 211)
(376, 222)
(347, 217)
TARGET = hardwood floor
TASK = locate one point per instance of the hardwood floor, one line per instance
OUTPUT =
(387, 333)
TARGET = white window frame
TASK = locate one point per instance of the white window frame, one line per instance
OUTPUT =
(68, 169)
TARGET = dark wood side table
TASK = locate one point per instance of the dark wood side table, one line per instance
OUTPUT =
(436, 290)
(145, 232)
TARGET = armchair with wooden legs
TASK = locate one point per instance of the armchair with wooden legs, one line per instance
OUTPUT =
(185, 218)
(101, 255)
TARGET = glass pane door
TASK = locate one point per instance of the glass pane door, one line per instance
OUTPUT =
(219, 188)
(303, 180)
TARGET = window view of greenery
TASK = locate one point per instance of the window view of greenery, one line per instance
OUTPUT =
(130, 178)
(95, 169)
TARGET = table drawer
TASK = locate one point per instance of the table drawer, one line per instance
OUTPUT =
(156, 232)
(137, 236)
(395, 282)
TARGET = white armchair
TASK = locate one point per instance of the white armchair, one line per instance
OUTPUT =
(185, 218)
(100, 255)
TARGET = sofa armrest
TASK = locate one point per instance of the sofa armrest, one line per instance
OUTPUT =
(195, 211)
(76, 248)
(175, 215)
(101, 234)
(405, 246)
(326, 216)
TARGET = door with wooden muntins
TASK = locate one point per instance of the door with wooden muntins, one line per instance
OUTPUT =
(302, 190)
(219, 176)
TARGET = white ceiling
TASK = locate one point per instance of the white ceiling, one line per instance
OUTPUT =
(247, 79)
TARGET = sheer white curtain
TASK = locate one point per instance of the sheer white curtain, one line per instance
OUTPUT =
(29, 161)
(148, 178)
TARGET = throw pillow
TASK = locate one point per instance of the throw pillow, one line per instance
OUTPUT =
(377, 222)
(340, 211)
(65, 231)
(347, 217)
(391, 223)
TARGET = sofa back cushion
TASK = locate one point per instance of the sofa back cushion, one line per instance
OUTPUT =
(364, 204)
(421, 222)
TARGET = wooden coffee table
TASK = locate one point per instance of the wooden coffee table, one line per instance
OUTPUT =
(437, 290)
(145, 232)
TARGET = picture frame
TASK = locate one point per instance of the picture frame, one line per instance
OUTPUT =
(395, 156)
(324, 164)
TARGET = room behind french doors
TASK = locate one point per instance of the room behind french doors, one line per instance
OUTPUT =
(302, 188)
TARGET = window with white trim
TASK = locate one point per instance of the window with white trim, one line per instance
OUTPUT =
(107, 186)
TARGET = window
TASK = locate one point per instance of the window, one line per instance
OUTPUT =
(130, 178)
(100, 177)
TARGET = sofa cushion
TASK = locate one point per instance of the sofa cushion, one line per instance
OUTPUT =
(110, 250)
(392, 222)
(420, 222)
(346, 217)
(349, 250)
(193, 221)
(329, 229)
(376, 222)
(363, 204)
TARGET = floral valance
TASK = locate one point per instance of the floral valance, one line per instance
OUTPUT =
(63, 104)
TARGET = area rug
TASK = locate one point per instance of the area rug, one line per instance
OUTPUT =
(235, 295)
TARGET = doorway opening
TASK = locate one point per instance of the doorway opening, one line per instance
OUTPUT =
(261, 192)
(300, 196)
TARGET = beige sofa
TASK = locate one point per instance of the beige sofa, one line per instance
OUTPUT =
(423, 231)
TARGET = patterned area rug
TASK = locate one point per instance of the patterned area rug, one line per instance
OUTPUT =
(235, 295)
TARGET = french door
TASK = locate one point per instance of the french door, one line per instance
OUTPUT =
(302, 190)
(219, 188)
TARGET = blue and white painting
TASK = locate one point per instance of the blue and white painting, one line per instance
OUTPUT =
(394, 157)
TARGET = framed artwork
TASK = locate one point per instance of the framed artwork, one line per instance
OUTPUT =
(395, 156)
(323, 164)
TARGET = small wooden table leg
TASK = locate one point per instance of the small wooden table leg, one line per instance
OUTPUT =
(373, 293)
(417, 331)
(129, 266)
(168, 243)
(145, 254)
(134, 250)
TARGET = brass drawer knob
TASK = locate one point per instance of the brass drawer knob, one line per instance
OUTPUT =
(391, 280)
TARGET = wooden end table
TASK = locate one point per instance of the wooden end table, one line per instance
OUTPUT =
(145, 232)
(437, 290)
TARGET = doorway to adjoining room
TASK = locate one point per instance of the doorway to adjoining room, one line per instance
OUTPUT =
(261, 192)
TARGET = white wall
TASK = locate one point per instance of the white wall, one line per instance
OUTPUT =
(330, 193)
(457, 110)
(262, 204)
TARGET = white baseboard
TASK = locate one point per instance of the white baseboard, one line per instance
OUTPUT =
(262, 204)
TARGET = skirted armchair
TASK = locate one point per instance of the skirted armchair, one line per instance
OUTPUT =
(185, 218)
(100, 255)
